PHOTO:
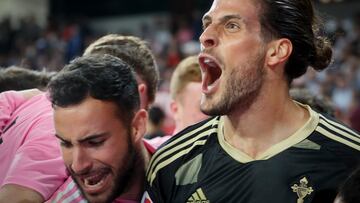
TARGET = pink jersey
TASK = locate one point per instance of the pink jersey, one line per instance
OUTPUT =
(69, 192)
(157, 141)
(30, 154)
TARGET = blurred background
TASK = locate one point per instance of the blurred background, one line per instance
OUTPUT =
(46, 34)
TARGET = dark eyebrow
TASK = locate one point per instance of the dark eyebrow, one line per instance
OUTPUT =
(206, 18)
(223, 19)
(60, 138)
(228, 17)
(91, 137)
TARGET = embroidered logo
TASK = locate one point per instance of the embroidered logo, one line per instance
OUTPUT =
(302, 190)
(198, 197)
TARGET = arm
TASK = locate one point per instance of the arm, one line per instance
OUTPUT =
(18, 194)
(36, 162)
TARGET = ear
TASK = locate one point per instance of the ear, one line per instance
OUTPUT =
(139, 125)
(144, 100)
(278, 52)
(174, 108)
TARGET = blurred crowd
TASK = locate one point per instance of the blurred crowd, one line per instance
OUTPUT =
(50, 47)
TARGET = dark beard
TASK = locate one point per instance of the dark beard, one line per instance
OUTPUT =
(122, 182)
(240, 92)
(125, 175)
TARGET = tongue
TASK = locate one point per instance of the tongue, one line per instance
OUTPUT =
(214, 74)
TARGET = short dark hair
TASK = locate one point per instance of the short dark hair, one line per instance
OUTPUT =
(102, 77)
(156, 115)
(296, 20)
(133, 51)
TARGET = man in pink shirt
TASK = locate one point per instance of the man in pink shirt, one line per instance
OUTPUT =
(31, 166)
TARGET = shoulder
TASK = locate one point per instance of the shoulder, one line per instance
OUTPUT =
(9, 102)
(181, 144)
(338, 132)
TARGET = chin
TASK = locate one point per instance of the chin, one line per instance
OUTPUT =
(100, 197)
(211, 109)
(95, 199)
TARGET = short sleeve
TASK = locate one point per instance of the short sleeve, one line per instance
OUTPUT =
(9, 101)
(38, 163)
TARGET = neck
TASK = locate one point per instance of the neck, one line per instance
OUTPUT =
(271, 118)
(136, 183)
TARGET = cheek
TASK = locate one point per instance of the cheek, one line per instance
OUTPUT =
(238, 51)
(111, 155)
(67, 156)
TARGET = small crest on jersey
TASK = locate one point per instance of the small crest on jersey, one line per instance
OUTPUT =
(198, 197)
(146, 198)
(302, 190)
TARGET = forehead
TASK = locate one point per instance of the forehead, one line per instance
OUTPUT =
(246, 9)
(90, 117)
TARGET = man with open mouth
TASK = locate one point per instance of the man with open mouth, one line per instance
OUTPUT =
(259, 145)
(100, 126)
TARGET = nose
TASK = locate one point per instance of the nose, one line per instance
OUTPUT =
(81, 162)
(208, 38)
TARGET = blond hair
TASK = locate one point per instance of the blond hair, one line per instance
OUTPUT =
(188, 70)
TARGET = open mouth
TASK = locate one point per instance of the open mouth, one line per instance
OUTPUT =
(211, 73)
(95, 182)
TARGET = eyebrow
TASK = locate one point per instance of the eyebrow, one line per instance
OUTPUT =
(60, 138)
(90, 137)
(224, 18)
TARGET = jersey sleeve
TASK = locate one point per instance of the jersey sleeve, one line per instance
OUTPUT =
(9, 101)
(38, 163)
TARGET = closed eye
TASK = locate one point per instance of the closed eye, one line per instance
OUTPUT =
(95, 142)
(65, 144)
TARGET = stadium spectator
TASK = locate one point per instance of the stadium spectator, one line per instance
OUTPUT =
(155, 123)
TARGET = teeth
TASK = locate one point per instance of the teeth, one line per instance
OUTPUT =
(211, 86)
(89, 183)
(210, 63)
(94, 181)
(207, 61)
